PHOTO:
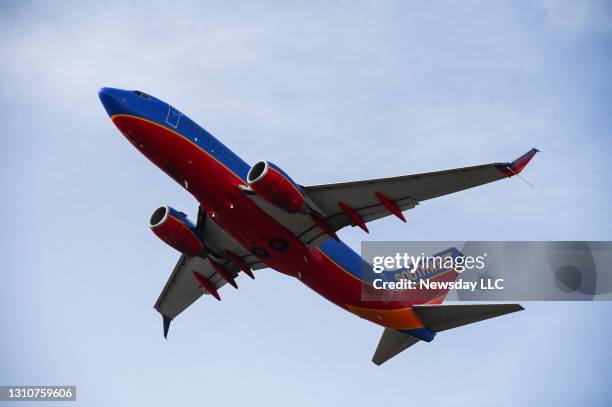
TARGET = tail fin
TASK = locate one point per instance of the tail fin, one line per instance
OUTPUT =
(438, 318)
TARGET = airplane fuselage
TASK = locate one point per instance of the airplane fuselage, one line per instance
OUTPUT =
(213, 174)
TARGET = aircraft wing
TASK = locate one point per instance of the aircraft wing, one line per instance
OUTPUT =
(184, 287)
(359, 202)
(355, 203)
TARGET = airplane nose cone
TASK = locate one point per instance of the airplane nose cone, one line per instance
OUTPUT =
(112, 100)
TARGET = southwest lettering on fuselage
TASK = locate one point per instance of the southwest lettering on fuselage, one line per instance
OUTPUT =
(272, 219)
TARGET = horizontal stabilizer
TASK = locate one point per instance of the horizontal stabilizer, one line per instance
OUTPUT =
(391, 343)
(437, 318)
(442, 317)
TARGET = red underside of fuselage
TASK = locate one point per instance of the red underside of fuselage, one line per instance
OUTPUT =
(216, 188)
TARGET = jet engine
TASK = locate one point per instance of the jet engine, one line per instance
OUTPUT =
(275, 186)
(176, 230)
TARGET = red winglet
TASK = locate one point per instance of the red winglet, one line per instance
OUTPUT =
(241, 264)
(207, 285)
(324, 226)
(354, 216)
(516, 166)
(223, 273)
(390, 205)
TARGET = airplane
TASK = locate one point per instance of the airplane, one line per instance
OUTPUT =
(255, 217)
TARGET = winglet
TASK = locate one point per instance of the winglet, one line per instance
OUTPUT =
(166, 326)
(516, 166)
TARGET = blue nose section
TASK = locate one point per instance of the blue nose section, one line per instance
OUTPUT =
(114, 100)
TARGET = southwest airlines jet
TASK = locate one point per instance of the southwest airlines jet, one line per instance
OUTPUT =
(253, 217)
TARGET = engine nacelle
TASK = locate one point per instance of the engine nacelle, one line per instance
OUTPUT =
(275, 186)
(176, 230)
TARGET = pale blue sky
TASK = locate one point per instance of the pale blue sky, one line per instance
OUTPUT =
(330, 92)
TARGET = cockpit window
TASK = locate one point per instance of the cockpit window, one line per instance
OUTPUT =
(142, 94)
